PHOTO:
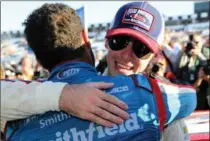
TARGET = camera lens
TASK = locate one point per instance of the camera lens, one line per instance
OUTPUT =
(155, 68)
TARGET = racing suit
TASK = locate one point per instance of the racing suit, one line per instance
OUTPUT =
(136, 91)
(179, 127)
(20, 99)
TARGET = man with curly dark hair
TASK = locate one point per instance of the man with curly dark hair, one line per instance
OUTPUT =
(43, 39)
(56, 35)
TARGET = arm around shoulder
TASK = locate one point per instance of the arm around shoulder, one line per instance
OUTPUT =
(20, 100)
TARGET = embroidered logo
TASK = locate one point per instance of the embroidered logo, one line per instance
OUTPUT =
(138, 17)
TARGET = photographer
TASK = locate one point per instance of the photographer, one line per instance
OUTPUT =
(194, 69)
(157, 67)
(191, 60)
(40, 72)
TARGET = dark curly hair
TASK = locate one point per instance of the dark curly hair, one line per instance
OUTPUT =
(53, 31)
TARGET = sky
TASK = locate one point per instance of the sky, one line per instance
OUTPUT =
(13, 13)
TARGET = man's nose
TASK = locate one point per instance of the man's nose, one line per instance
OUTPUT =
(126, 53)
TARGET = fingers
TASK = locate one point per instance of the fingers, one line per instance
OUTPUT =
(99, 120)
(113, 100)
(100, 85)
(107, 115)
(113, 110)
(94, 105)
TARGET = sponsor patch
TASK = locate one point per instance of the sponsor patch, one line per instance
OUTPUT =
(119, 89)
(97, 132)
(68, 72)
(138, 17)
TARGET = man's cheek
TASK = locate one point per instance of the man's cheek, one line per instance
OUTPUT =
(110, 59)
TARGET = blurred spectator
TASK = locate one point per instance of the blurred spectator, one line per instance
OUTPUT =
(157, 66)
(172, 50)
(9, 71)
(102, 65)
(2, 72)
(40, 72)
(174, 44)
(206, 48)
(98, 56)
(202, 85)
(27, 67)
(194, 68)
(191, 59)
(8, 50)
(19, 74)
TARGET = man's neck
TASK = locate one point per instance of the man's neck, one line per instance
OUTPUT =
(75, 60)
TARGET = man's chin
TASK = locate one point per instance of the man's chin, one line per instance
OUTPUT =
(124, 71)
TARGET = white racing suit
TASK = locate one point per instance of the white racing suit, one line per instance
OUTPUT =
(20, 99)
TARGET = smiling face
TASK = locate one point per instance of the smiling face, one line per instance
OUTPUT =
(125, 61)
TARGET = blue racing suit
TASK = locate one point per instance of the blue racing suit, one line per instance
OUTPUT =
(137, 91)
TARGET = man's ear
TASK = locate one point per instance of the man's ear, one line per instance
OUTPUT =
(85, 39)
(89, 56)
(89, 53)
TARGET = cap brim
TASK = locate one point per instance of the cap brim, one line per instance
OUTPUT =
(152, 44)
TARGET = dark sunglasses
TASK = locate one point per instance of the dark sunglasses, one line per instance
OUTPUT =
(117, 43)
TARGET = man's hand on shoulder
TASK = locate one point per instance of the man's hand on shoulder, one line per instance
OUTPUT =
(86, 101)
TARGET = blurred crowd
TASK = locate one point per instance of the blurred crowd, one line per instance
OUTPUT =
(19, 62)
(185, 57)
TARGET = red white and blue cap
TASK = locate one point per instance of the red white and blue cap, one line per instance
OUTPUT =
(141, 21)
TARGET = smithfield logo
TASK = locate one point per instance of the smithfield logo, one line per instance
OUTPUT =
(95, 132)
(68, 72)
(138, 17)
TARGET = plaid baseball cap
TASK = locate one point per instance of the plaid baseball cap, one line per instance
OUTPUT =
(141, 21)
